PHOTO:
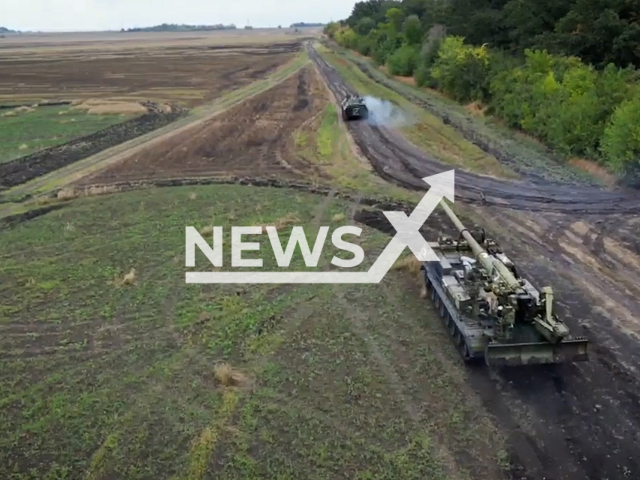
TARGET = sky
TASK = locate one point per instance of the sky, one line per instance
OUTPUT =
(85, 15)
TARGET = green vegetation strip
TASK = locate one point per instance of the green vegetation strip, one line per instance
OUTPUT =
(325, 142)
(582, 102)
(513, 148)
(24, 131)
(422, 128)
(107, 378)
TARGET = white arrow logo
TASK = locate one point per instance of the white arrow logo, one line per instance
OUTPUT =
(407, 235)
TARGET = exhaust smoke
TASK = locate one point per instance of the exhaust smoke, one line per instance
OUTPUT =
(385, 114)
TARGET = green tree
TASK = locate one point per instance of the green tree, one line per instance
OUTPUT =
(621, 138)
(428, 56)
(462, 70)
(365, 25)
(403, 61)
(395, 16)
(412, 29)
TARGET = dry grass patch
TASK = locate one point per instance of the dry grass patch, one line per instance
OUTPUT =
(412, 265)
(129, 278)
(594, 169)
(408, 80)
(408, 263)
(287, 221)
(283, 222)
(111, 107)
(227, 376)
(14, 112)
(476, 108)
(208, 230)
(338, 217)
(66, 194)
(69, 193)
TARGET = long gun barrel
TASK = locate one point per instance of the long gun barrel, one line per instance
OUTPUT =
(489, 263)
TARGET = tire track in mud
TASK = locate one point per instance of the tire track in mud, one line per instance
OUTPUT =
(564, 422)
(586, 416)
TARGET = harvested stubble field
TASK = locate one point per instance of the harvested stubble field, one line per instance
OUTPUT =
(291, 131)
(168, 74)
(189, 70)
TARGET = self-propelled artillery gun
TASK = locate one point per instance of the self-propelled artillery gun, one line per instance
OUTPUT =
(492, 312)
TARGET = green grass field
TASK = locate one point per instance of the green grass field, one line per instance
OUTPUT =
(105, 379)
(26, 132)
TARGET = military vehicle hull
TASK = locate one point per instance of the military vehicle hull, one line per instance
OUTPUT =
(490, 310)
(354, 108)
(472, 336)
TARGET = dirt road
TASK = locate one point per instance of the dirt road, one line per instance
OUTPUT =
(569, 422)
(399, 161)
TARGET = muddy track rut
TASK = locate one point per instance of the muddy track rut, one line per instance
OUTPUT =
(568, 422)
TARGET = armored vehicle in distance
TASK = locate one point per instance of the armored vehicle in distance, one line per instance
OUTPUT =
(354, 108)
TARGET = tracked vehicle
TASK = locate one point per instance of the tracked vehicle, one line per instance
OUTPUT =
(354, 108)
(493, 314)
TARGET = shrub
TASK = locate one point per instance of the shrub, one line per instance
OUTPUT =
(462, 70)
(559, 100)
(404, 60)
(620, 144)
(346, 37)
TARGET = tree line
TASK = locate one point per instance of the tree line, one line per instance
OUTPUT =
(563, 70)
(172, 27)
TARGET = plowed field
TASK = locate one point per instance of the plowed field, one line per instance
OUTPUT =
(253, 139)
(188, 72)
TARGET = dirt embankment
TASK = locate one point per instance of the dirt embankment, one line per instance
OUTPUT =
(571, 422)
(45, 161)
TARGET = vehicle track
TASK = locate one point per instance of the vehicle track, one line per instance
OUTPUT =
(396, 160)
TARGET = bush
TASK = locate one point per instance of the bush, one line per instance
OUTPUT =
(559, 100)
(363, 46)
(621, 139)
(404, 60)
(462, 70)
(386, 44)
(346, 37)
